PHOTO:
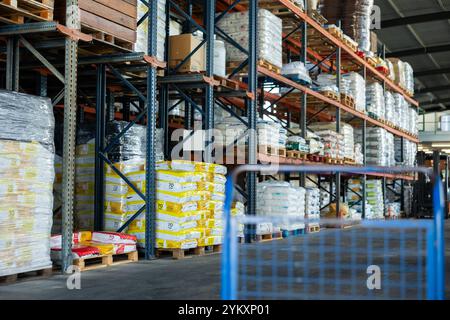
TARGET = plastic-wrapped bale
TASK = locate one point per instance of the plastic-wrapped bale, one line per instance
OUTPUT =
(393, 210)
(362, 23)
(269, 32)
(354, 85)
(389, 107)
(409, 77)
(133, 144)
(391, 69)
(380, 147)
(375, 100)
(312, 204)
(297, 72)
(409, 152)
(315, 144)
(400, 110)
(233, 131)
(271, 133)
(345, 142)
(237, 211)
(57, 197)
(359, 157)
(142, 31)
(26, 182)
(374, 196)
(281, 199)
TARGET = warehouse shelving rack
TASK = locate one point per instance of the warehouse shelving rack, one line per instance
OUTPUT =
(131, 78)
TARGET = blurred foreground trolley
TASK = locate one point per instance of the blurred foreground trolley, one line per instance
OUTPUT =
(397, 259)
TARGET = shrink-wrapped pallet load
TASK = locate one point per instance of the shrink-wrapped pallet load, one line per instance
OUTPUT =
(269, 33)
(354, 85)
(281, 199)
(375, 100)
(26, 182)
(343, 142)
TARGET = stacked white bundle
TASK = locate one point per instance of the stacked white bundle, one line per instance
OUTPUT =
(412, 120)
(232, 129)
(281, 199)
(345, 141)
(380, 147)
(26, 182)
(325, 198)
(271, 133)
(312, 204)
(374, 196)
(142, 30)
(269, 32)
(359, 156)
(315, 144)
(393, 210)
(400, 110)
(238, 211)
(354, 85)
(326, 82)
(389, 106)
(375, 100)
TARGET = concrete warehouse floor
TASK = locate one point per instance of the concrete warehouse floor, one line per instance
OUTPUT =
(194, 278)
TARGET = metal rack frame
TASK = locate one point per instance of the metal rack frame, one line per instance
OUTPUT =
(248, 100)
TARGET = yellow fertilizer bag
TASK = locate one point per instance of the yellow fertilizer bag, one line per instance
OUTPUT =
(167, 244)
(162, 205)
(210, 241)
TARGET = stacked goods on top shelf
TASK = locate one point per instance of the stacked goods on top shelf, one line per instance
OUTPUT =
(375, 100)
(355, 17)
(380, 146)
(271, 133)
(269, 33)
(297, 143)
(26, 182)
(142, 30)
(389, 107)
(340, 146)
(113, 21)
(374, 196)
(315, 144)
(190, 197)
(326, 83)
(281, 199)
(353, 85)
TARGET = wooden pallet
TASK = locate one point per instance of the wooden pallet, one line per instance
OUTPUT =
(332, 160)
(17, 11)
(232, 65)
(372, 62)
(103, 261)
(227, 83)
(348, 101)
(313, 228)
(335, 31)
(313, 101)
(207, 250)
(29, 275)
(292, 233)
(269, 150)
(349, 161)
(269, 237)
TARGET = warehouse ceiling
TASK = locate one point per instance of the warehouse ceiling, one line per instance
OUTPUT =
(419, 32)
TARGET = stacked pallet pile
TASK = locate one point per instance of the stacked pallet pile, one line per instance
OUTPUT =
(21, 11)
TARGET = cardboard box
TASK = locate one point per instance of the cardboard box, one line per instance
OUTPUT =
(180, 47)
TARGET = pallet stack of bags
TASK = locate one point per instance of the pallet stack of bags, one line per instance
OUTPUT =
(375, 100)
(312, 205)
(380, 149)
(269, 33)
(354, 85)
(279, 200)
(339, 145)
(374, 197)
(190, 197)
(26, 182)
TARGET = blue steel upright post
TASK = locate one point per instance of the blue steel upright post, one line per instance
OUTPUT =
(150, 191)
(209, 90)
(304, 100)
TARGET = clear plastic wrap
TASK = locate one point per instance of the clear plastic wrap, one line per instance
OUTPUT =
(389, 106)
(25, 117)
(269, 34)
(26, 182)
(312, 203)
(354, 85)
(362, 20)
(133, 143)
(379, 147)
(375, 100)
(409, 77)
(296, 71)
(409, 152)
(326, 82)
(398, 71)
(374, 198)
